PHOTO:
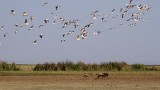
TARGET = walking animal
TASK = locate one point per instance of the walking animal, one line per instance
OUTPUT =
(102, 75)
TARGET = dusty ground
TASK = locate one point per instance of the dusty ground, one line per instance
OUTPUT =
(144, 81)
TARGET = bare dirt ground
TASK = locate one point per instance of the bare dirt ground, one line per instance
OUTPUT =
(129, 81)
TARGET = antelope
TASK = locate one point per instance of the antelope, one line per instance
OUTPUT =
(103, 75)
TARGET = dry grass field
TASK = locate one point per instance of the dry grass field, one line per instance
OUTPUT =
(75, 81)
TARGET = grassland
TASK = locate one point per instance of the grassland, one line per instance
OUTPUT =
(28, 79)
(72, 80)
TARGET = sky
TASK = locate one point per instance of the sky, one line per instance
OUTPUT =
(138, 44)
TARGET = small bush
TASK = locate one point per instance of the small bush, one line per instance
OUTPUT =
(138, 67)
(61, 66)
(8, 67)
(95, 67)
(114, 66)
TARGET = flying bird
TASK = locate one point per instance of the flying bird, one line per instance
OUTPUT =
(13, 12)
(25, 13)
(46, 21)
(31, 27)
(43, 4)
(78, 38)
(54, 22)
(41, 26)
(15, 31)
(34, 42)
(113, 10)
(96, 32)
(5, 34)
(17, 25)
(57, 7)
(32, 17)
(94, 14)
(2, 27)
(63, 40)
(26, 22)
(41, 35)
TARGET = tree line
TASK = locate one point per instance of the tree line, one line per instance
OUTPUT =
(81, 66)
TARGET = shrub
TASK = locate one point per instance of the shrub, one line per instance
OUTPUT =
(138, 67)
(38, 67)
(13, 67)
(114, 66)
(61, 66)
(8, 67)
(95, 67)
(69, 65)
(81, 66)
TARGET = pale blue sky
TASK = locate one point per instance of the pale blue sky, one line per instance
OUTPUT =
(140, 44)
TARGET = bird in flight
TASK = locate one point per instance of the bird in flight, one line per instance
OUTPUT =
(2, 27)
(57, 7)
(13, 12)
(25, 13)
(131, 13)
(34, 42)
(43, 4)
(5, 34)
(41, 35)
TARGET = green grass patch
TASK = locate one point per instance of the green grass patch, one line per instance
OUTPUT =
(52, 73)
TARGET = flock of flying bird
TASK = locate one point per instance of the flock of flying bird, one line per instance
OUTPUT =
(130, 13)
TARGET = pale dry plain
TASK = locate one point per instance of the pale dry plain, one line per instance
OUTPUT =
(115, 81)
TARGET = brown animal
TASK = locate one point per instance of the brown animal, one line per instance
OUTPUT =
(103, 75)
(85, 75)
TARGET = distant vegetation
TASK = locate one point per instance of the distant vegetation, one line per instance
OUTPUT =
(104, 66)
(8, 67)
(78, 66)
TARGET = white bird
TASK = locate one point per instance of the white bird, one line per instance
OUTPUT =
(26, 22)
(143, 8)
(78, 38)
(15, 31)
(5, 34)
(43, 4)
(34, 42)
(2, 27)
(46, 21)
(94, 14)
(13, 12)
(32, 17)
(123, 13)
(70, 32)
(55, 16)
(31, 27)
(113, 10)
(129, 6)
(56, 7)
(17, 25)
(25, 13)
(54, 22)
(41, 26)
(96, 32)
